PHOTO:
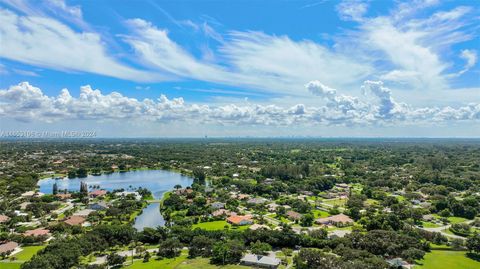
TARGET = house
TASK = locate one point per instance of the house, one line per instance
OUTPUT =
(260, 261)
(4, 218)
(28, 194)
(83, 213)
(135, 194)
(240, 220)
(97, 193)
(294, 215)
(223, 212)
(8, 247)
(257, 200)
(63, 196)
(342, 186)
(37, 232)
(340, 219)
(218, 205)
(428, 217)
(98, 206)
(338, 233)
(242, 196)
(255, 227)
(75, 220)
(24, 205)
(183, 191)
(399, 263)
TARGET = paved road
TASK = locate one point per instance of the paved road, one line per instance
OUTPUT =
(441, 230)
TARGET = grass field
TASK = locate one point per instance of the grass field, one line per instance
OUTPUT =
(335, 202)
(28, 252)
(10, 265)
(447, 259)
(217, 225)
(21, 257)
(427, 224)
(320, 213)
(181, 262)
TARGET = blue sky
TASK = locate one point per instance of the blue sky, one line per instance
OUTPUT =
(236, 68)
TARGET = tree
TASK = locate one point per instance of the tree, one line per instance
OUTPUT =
(169, 248)
(200, 246)
(146, 258)
(177, 186)
(115, 259)
(260, 248)
(473, 243)
(199, 175)
(227, 252)
(306, 220)
(55, 188)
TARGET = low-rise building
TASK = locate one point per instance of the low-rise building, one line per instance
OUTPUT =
(294, 215)
(223, 212)
(75, 220)
(399, 263)
(218, 205)
(340, 219)
(257, 200)
(37, 232)
(260, 261)
(8, 247)
(4, 218)
(83, 213)
(135, 194)
(97, 193)
(98, 206)
(240, 220)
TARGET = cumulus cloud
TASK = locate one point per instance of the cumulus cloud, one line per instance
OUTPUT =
(25, 102)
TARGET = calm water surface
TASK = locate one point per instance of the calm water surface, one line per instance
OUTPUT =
(157, 181)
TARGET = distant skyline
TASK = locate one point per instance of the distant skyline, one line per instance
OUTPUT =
(241, 68)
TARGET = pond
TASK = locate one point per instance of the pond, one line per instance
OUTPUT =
(157, 181)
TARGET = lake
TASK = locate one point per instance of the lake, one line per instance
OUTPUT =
(157, 181)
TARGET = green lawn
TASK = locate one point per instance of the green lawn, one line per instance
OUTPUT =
(335, 201)
(217, 225)
(454, 220)
(427, 224)
(21, 257)
(320, 213)
(28, 252)
(181, 262)
(10, 265)
(445, 259)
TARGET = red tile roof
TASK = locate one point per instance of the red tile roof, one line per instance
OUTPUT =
(75, 220)
(3, 218)
(37, 232)
(8, 247)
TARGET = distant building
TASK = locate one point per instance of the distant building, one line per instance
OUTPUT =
(75, 220)
(127, 193)
(255, 227)
(218, 205)
(98, 206)
(8, 247)
(83, 213)
(4, 218)
(260, 261)
(223, 212)
(240, 220)
(294, 215)
(339, 219)
(97, 193)
(63, 196)
(399, 263)
(257, 200)
(37, 232)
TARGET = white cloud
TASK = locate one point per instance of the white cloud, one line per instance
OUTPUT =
(470, 56)
(352, 9)
(25, 102)
(45, 42)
